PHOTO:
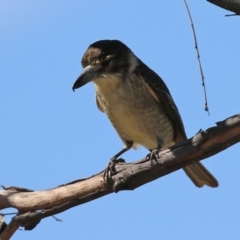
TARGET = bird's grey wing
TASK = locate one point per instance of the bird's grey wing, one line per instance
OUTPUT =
(160, 92)
(156, 86)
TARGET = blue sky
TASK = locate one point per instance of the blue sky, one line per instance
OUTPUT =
(50, 135)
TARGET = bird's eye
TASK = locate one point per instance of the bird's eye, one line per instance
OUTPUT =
(106, 62)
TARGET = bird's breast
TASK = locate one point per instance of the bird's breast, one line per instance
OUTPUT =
(134, 112)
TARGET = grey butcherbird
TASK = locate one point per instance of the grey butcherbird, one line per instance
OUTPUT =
(136, 101)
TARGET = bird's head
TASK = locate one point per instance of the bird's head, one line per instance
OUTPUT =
(104, 58)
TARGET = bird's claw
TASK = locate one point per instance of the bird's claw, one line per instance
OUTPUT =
(154, 155)
(110, 170)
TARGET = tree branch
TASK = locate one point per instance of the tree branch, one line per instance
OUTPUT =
(36, 205)
(9, 230)
(231, 5)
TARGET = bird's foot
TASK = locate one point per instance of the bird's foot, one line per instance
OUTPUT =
(110, 170)
(154, 155)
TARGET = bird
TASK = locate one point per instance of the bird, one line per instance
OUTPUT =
(137, 102)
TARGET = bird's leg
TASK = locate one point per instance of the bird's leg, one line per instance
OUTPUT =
(110, 169)
(153, 155)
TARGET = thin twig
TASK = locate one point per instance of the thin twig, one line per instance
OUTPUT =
(57, 219)
(5, 214)
(231, 15)
(199, 61)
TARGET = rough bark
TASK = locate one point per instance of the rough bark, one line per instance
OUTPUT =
(36, 205)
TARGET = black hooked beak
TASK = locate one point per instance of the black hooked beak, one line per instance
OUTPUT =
(87, 76)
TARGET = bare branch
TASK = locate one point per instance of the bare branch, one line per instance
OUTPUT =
(36, 205)
(206, 108)
(9, 230)
(231, 5)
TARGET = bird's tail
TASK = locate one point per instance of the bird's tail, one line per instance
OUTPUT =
(200, 175)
